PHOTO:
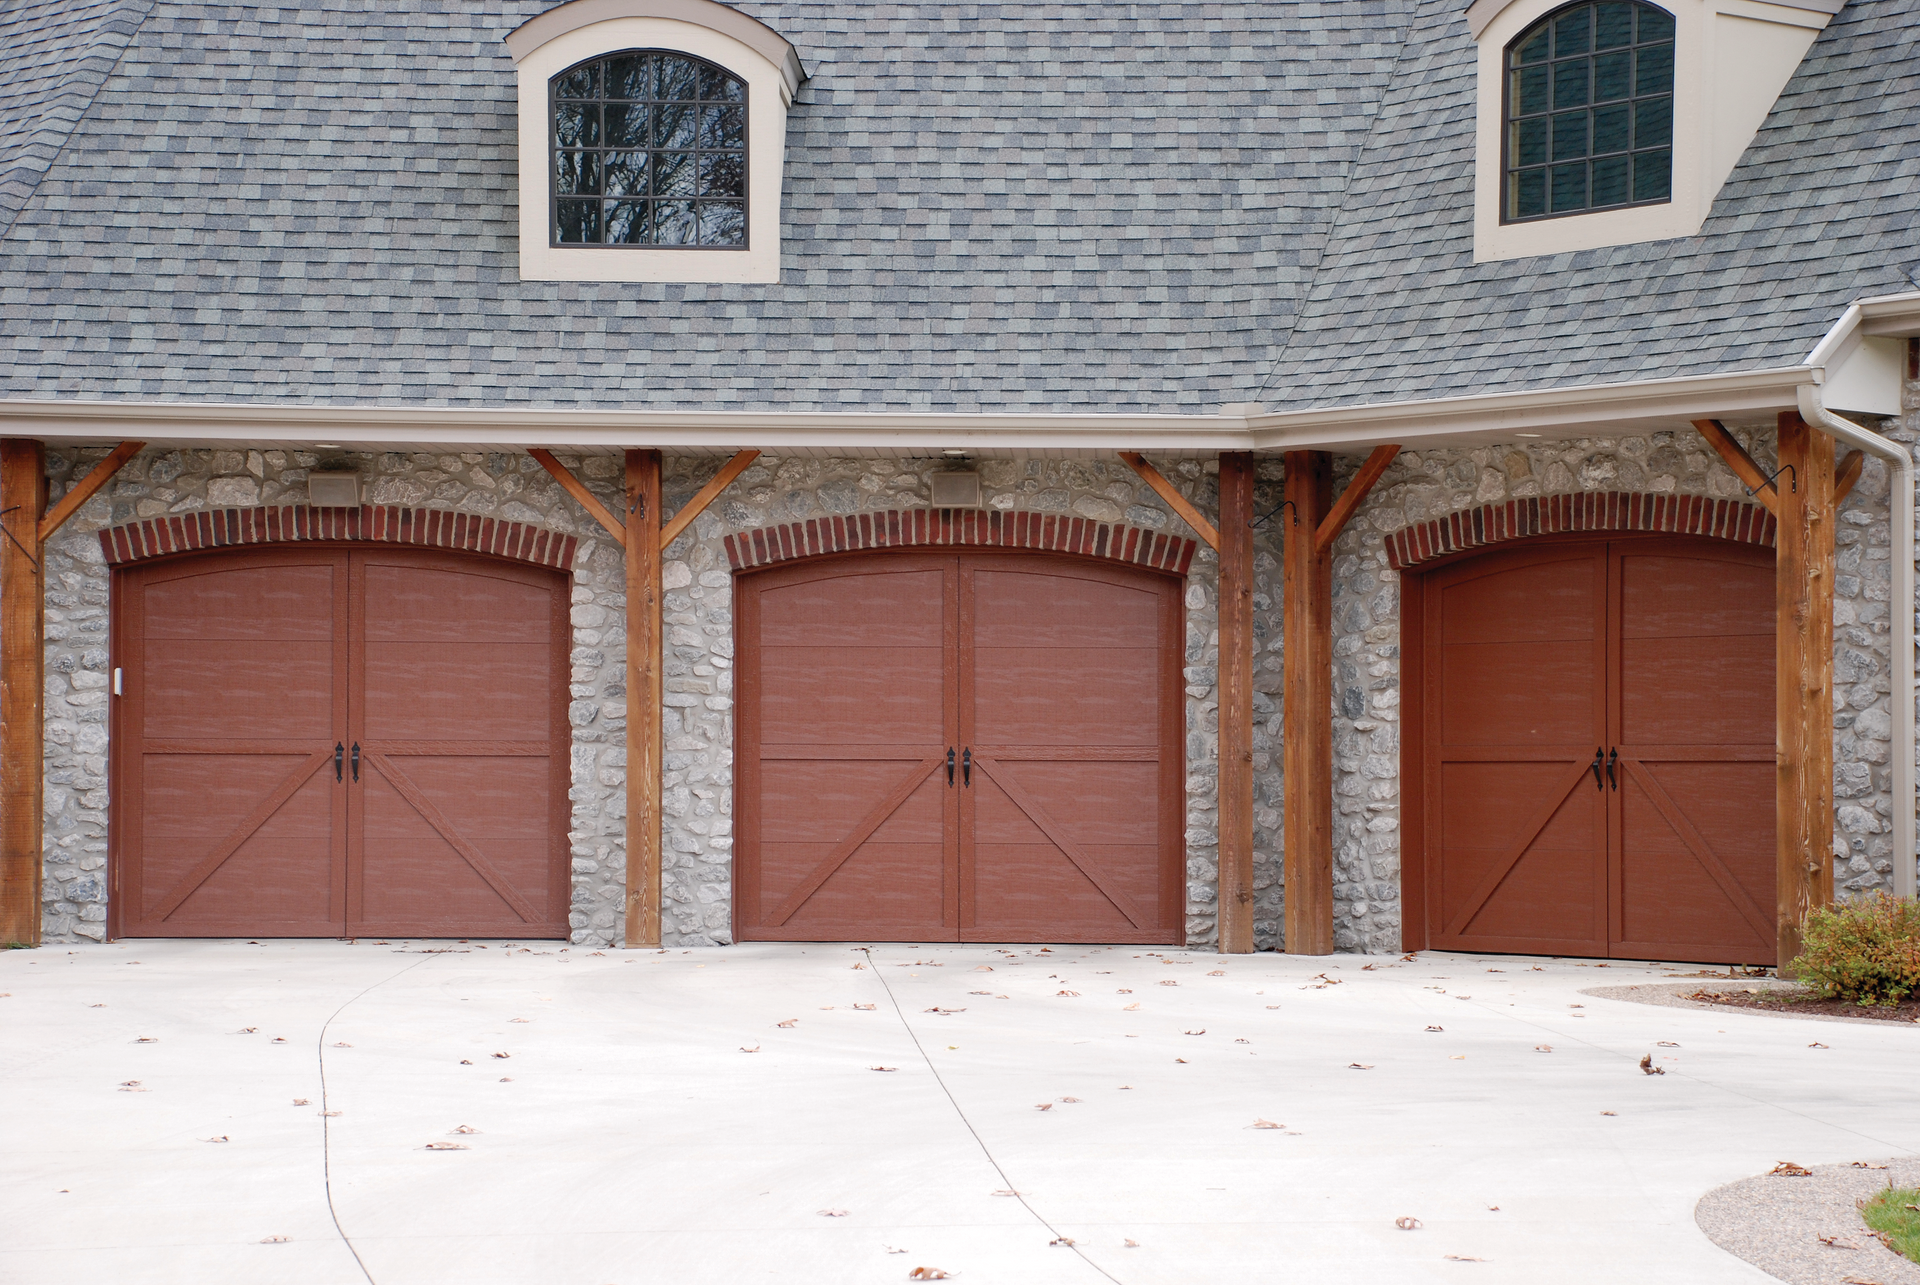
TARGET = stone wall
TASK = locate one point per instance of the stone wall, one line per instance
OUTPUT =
(697, 798)
(1425, 484)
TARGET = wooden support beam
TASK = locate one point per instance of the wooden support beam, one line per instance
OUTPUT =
(23, 496)
(1307, 708)
(578, 490)
(1235, 754)
(1846, 473)
(1739, 461)
(1353, 497)
(706, 495)
(87, 487)
(1175, 501)
(644, 693)
(1803, 643)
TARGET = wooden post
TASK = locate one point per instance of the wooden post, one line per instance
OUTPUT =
(23, 497)
(1803, 647)
(644, 692)
(1235, 754)
(1307, 710)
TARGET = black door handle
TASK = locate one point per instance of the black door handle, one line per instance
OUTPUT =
(356, 760)
(949, 766)
(966, 766)
(339, 753)
(1613, 756)
(1599, 757)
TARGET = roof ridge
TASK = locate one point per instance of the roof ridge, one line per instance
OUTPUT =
(73, 76)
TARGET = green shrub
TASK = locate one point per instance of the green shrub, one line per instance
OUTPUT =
(1867, 951)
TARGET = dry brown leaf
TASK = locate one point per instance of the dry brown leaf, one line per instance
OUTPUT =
(146, 1039)
(466, 1128)
(1169, 983)
(745, 1049)
(1064, 1242)
(789, 1023)
(928, 1274)
(833, 1213)
(864, 1008)
(983, 968)
(1043, 1106)
(1181, 1060)
(341, 1044)
(1816, 1045)
(1359, 1066)
(1668, 1044)
(1408, 1223)
(857, 966)
(1267, 1124)
(329, 1114)
(221, 1138)
(245, 1030)
(883, 1068)
(1862, 1164)
(1201, 1031)
(446, 1146)
(1273, 1006)
(1123, 991)
(1464, 1258)
(1073, 994)
(1005, 1192)
(1436, 1028)
(1648, 1068)
(522, 1020)
(1837, 1243)
(1240, 1041)
(1543, 1048)
(466, 1061)
(1788, 1169)
(1218, 972)
(503, 1055)
(1861, 1280)
(1609, 1113)
(1069, 1099)
(1133, 1244)
(302, 1102)
(273, 1240)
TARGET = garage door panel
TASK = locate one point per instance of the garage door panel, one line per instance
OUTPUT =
(413, 872)
(457, 691)
(1549, 602)
(858, 695)
(1493, 804)
(1696, 864)
(281, 602)
(1518, 694)
(1698, 693)
(282, 873)
(1099, 803)
(876, 609)
(408, 603)
(1699, 596)
(195, 690)
(889, 885)
(820, 801)
(1066, 696)
(1021, 610)
(1025, 890)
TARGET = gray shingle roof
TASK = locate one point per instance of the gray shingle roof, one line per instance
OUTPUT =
(1819, 212)
(1085, 205)
(1081, 206)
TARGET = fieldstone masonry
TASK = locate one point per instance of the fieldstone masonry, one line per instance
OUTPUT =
(697, 786)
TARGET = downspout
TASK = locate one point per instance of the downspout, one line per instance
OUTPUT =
(1901, 552)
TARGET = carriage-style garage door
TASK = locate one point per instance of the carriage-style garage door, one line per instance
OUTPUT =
(324, 741)
(1597, 750)
(982, 746)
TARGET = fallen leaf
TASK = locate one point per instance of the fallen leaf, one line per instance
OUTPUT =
(833, 1213)
(1406, 959)
(1436, 1028)
(221, 1138)
(1788, 1169)
(1273, 1006)
(1266, 1124)
(1044, 1106)
(521, 1020)
(245, 1030)
(1133, 1244)
(789, 1023)
(1239, 1041)
(858, 966)
(503, 1055)
(1201, 1031)
(1405, 1223)
(1069, 1099)
(1860, 1280)
(1130, 1007)
(745, 1049)
(506, 1079)
(278, 1040)
(1065, 1242)
(1181, 1060)
(273, 1240)
(983, 968)
(1218, 972)
(1456, 1057)
(1359, 1066)
(1647, 1067)
(1543, 1048)
(883, 1068)
(1123, 991)
(1816, 1045)
(329, 1114)
(928, 1274)
(1005, 1192)
(302, 1102)
(1861, 1164)
(1169, 983)
(1464, 1258)
(891, 1250)
(1668, 1044)
(446, 1146)
(1837, 1243)
(146, 1039)
(1074, 994)
(864, 1008)
(466, 1128)
(979, 992)
(341, 1044)
(1493, 1209)
(1609, 1113)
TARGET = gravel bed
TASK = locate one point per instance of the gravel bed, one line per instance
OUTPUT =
(1777, 1224)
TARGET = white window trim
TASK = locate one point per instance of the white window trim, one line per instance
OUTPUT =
(770, 89)
(1731, 60)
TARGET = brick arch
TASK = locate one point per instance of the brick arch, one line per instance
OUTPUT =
(973, 528)
(374, 523)
(1590, 511)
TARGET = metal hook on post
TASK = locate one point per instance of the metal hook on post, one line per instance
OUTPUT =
(1793, 483)
(1284, 504)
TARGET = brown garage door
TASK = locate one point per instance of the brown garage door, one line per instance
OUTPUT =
(1596, 750)
(959, 747)
(330, 741)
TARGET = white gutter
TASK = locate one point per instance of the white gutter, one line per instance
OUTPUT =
(1901, 554)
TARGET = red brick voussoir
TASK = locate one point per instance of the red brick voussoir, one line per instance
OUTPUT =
(964, 528)
(1565, 514)
(375, 523)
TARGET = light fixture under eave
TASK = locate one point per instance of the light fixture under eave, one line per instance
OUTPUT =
(327, 446)
(1526, 434)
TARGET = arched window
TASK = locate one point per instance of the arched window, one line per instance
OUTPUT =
(1589, 111)
(649, 148)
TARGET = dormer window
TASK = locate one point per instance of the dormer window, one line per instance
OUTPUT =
(1589, 108)
(649, 149)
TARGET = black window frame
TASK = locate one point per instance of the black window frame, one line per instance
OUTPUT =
(554, 149)
(1508, 168)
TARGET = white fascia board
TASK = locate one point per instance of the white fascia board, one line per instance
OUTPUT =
(1594, 410)
(384, 426)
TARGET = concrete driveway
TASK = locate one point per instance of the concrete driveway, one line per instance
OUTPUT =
(627, 1136)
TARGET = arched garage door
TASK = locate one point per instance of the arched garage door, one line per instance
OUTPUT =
(979, 746)
(1595, 749)
(331, 741)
